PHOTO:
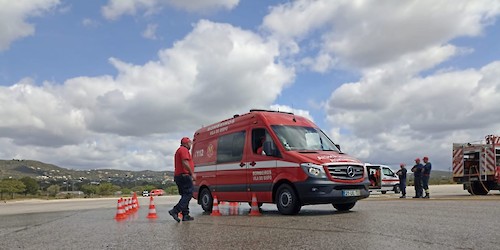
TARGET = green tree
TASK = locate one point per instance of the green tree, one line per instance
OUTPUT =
(89, 190)
(31, 184)
(11, 186)
(53, 189)
(107, 188)
(172, 190)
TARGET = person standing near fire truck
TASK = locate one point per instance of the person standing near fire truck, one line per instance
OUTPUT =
(417, 174)
(426, 172)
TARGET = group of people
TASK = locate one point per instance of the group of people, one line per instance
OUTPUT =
(421, 174)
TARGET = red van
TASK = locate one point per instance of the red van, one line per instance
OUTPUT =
(280, 157)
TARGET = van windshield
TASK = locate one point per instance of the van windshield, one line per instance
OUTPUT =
(303, 138)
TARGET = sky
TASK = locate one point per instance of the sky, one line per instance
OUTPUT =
(116, 84)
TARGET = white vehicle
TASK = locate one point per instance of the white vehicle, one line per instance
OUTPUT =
(145, 193)
(382, 178)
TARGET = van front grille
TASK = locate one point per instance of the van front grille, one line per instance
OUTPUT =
(346, 172)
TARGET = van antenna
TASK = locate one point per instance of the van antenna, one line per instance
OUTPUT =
(293, 113)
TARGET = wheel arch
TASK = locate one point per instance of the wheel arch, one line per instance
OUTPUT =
(278, 184)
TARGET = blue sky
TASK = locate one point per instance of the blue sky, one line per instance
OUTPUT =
(115, 84)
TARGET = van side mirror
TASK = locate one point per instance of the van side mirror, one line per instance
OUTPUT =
(338, 146)
(270, 149)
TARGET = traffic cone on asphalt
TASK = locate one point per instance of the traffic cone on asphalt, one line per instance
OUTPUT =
(125, 206)
(152, 209)
(135, 207)
(215, 208)
(135, 202)
(130, 206)
(120, 212)
(179, 215)
(255, 206)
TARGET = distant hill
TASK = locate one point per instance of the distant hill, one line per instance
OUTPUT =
(49, 172)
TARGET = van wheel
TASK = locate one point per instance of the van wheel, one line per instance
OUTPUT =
(206, 200)
(396, 189)
(344, 206)
(383, 192)
(287, 200)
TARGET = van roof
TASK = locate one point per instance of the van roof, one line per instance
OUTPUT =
(262, 115)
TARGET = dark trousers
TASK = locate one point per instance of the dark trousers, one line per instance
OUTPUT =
(425, 183)
(418, 186)
(185, 186)
(402, 186)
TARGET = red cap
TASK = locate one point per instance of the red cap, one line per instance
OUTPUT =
(185, 140)
(418, 159)
(426, 158)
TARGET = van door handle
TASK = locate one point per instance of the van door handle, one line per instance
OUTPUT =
(253, 163)
(242, 164)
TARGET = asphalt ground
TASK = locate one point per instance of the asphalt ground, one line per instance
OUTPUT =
(451, 219)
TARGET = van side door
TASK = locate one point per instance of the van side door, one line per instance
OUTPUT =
(262, 165)
(231, 168)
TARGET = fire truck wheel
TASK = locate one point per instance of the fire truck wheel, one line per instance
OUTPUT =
(287, 200)
(206, 200)
(478, 188)
(344, 207)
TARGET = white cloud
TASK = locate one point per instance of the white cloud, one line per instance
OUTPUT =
(396, 118)
(150, 32)
(122, 121)
(87, 22)
(285, 108)
(116, 8)
(367, 33)
(13, 15)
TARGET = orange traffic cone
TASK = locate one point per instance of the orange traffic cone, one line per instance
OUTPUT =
(125, 206)
(255, 207)
(134, 204)
(131, 205)
(120, 212)
(136, 201)
(180, 215)
(152, 209)
(215, 208)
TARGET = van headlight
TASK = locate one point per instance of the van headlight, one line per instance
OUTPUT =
(313, 170)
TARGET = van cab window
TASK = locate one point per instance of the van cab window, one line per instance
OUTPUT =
(259, 137)
(230, 147)
(388, 172)
(303, 138)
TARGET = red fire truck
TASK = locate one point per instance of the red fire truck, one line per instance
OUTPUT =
(477, 166)
(280, 158)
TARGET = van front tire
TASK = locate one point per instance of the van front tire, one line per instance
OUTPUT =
(287, 200)
(206, 200)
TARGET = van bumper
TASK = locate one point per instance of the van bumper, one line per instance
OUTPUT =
(315, 191)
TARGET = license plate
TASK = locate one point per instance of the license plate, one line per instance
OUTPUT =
(353, 192)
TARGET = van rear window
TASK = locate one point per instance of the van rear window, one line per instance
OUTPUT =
(230, 147)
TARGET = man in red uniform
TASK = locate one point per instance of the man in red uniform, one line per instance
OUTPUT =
(183, 177)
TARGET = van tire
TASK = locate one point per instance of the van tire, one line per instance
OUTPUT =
(344, 206)
(396, 189)
(206, 200)
(287, 200)
(383, 192)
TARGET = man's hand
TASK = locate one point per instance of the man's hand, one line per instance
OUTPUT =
(193, 176)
